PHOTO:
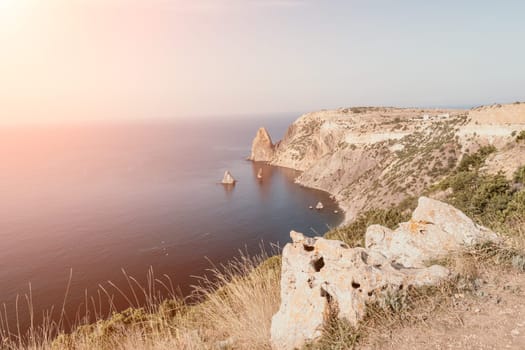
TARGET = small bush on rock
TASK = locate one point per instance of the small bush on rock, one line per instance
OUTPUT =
(519, 175)
(521, 136)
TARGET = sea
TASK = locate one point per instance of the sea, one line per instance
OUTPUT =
(84, 204)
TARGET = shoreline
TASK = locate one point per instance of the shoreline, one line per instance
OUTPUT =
(332, 196)
(342, 209)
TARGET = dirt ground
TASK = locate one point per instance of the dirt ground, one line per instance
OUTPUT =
(493, 317)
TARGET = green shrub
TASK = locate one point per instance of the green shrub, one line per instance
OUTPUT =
(474, 161)
(519, 175)
(354, 233)
(491, 196)
(521, 136)
(489, 199)
(516, 207)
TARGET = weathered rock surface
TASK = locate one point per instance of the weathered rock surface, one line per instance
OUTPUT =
(325, 278)
(322, 278)
(435, 229)
(262, 147)
(228, 179)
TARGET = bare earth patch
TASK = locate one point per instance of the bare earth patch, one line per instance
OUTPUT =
(493, 317)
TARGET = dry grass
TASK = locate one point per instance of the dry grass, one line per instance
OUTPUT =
(395, 310)
(515, 232)
(419, 306)
(237, 302)
(235, 310)
(239, 299)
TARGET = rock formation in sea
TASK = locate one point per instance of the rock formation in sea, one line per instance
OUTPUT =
(262, 147)
(228, 179)
(260, 174)
(322, 279)
(319, 206)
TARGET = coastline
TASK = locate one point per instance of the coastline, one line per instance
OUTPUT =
(332, 196)
(376, 157)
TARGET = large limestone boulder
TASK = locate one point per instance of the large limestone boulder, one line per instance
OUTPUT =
(436, 229)
(262, 147)
(325, 278)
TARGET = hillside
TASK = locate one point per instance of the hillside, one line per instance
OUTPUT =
(374, 157)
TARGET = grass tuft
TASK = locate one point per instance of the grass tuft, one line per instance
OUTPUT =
(236, 303)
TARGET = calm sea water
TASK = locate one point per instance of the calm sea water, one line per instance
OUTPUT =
(98, 198)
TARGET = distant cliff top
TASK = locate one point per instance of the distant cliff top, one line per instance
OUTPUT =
(499, 114)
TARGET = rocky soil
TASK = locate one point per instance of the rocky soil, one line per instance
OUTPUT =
(491, 318)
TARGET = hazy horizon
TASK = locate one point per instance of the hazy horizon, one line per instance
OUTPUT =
(117, 60)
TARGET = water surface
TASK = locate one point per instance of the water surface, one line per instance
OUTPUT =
(98, 198)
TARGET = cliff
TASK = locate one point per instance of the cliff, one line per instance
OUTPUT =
(374, 157)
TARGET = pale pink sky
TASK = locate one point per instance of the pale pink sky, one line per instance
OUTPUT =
(104, 59)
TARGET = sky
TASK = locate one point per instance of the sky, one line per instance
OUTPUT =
(113, 59)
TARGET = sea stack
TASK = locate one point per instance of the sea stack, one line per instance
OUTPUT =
(259, 174)
(228, 179)
(262, 147)
(319, 206)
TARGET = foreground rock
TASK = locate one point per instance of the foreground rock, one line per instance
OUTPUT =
(228, 179)
(435, 229)
(262, 147)
(319, 206)
(325, 278)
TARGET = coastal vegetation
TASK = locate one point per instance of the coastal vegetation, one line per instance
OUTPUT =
(491, 200)
(235, 306)
(521, 136)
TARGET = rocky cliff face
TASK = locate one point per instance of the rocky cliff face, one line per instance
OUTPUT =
(374, 157)
(262, 147)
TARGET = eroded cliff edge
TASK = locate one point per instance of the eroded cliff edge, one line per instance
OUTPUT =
(374, 157)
